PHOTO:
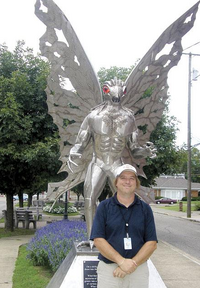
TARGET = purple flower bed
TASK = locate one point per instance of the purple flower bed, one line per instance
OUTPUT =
(51, 244)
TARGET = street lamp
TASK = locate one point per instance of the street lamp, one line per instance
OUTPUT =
(66, 202)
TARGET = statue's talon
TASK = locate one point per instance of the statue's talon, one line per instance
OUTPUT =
(87, 243)
(68, 164)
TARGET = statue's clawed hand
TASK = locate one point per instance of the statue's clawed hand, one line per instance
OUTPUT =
(147, 150)
(70, 161)
(150, 150)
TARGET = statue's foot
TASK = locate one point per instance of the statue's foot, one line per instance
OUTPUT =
(87, 243)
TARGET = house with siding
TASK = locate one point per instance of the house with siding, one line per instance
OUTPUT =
(174, 187)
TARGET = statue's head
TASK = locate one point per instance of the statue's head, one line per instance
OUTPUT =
(115, 90)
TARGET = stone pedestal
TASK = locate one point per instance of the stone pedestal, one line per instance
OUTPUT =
(78, 270)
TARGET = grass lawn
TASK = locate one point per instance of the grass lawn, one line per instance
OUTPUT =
(2, 220)
(28, 276)
(16, 232)
(175, 207)
(25, 274)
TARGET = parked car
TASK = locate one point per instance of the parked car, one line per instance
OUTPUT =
(16, 197)
(166, 201)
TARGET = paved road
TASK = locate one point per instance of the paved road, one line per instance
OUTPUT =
(180, 233)
(2, 204)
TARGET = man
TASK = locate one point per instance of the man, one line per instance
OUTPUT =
(124, 233)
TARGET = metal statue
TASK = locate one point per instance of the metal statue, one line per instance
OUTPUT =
(94, 141)
(113, 132)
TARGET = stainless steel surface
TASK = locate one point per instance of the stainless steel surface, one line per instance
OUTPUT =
(108, 135)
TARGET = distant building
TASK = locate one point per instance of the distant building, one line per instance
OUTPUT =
(174, 187)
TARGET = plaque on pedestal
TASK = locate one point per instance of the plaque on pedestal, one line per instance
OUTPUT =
(90, 274)
(78, 270)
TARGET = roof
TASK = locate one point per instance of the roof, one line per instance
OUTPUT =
(174, 182)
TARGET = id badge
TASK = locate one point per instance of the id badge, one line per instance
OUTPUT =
(127, 244)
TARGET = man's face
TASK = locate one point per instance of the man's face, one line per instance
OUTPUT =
(126, 183)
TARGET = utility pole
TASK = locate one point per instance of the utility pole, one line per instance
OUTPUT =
(189, 141)
(189, 135)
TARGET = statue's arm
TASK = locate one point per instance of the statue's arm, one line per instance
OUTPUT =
(82, 140)
(133, 140)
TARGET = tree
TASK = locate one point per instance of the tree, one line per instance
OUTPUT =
(168, 158)
(29, 149)
(195, 163)
(78, 190)
(114, 71)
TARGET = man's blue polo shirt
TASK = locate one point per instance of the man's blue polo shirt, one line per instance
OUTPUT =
(110, 223)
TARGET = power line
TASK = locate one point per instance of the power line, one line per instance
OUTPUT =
(192, 46)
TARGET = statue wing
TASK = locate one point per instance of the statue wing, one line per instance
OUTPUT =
(73, 88)
(147, 83)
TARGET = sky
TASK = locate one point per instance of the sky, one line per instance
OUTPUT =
(118, 33)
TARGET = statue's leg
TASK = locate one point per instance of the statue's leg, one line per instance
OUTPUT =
(111, 184)
(94, 183)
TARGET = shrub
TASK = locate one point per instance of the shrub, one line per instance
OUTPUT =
(72, 209)
(51, 244)
(59, 209)
(197, 207)
(192, 199)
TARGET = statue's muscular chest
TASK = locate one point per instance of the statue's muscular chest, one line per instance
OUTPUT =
(112, 123)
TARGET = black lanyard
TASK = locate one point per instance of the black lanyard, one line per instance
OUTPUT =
(126, 222)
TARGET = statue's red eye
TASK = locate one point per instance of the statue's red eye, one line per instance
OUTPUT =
(106, 90)
(124, 90)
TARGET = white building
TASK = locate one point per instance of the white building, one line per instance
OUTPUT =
(174, 187)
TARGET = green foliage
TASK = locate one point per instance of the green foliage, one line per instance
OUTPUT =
(51, 244)
(175, 207)
(192, 199)
(195, 163)
(168, 158)
(29, 142)
(27, 275)
(59, 209)
(17, 232)
(29, 149)
(197, 207)
(108, 74)
(78, 190)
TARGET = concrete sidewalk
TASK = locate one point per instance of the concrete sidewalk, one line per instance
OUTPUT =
(9, 248)
(172, 268)
(176, 268)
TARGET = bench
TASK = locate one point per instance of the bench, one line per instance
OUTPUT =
(37, 208)
(38, 203)
(24, 216)
(37, 211)
(79, 205)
